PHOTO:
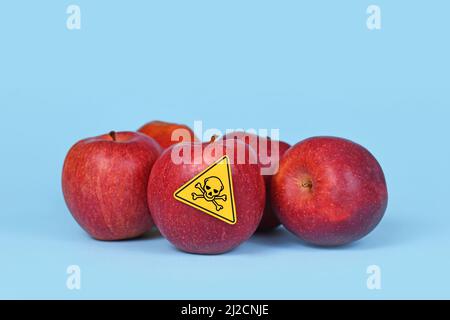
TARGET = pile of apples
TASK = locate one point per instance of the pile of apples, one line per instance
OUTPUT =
(328, 191)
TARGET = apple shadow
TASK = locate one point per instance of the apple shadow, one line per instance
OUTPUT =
(396, 231)
(149, 235)
(279, 237)
(392, 231)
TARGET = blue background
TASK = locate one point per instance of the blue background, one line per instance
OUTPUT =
(308, 69)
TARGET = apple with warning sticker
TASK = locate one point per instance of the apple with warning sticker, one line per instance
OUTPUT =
(210, 202)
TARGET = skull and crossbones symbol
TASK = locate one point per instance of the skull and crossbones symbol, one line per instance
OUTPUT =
(210, 191)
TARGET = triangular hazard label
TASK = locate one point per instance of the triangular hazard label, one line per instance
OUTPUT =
(211, 191)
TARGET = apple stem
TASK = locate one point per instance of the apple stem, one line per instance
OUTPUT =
(213, 138)
(113, 135)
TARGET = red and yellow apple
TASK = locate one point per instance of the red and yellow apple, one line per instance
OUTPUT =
(168, 134)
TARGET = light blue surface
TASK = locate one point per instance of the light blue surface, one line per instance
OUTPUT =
(308, 69)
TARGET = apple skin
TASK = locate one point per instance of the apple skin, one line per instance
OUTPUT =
(104, 182)
(329, 191)
(162, 132)
(191, 230)
(269, 220)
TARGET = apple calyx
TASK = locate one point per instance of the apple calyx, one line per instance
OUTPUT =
(307, 184)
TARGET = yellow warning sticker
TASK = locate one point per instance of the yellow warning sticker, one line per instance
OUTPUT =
(211, 191)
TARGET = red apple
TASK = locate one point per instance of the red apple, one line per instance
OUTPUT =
(162, 132)
(104, 182)
(190, 229)
(329, 191)
(266, 160)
